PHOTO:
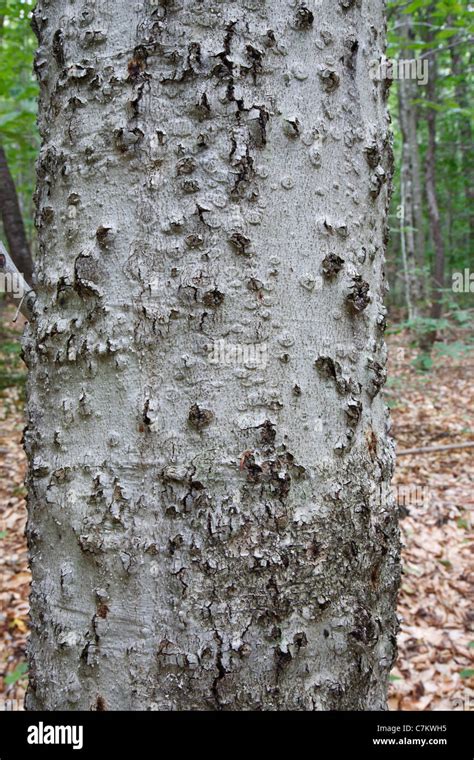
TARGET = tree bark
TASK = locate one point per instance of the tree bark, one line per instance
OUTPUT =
(208, 448)
(410, 171)
(13, 221)
(432, 199)
(465, 134)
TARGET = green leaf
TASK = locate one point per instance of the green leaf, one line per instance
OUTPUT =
(16, 674)
(467, 672)
(414, 6)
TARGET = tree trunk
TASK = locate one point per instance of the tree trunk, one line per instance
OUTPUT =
(465, 134)
(410, 172)
(13, 221)
(433, 209)
(209, 523)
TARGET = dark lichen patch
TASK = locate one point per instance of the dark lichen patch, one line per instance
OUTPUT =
(329, 80)
(58, 47)
(282, 659)
(304, 18)
(378, 377)
(353, 412)
(258, 126)
(199, 418)
(351, 46)
(213, 298)
(100, 704)
(268, 433)
(275, 474)
(190, 186)
(127, 140)
(332, 370)
(245, 172)
(377, 180)
(314, 550)
(137, 64)
(186, 165)
(103, 236)
(147, 420)
(332, 265)
(300, 640)
(202, 109)
(359, 296)
(194, 241)
(372, 155)
(240, 243)
(86, 274)
(102, 610)
(371, 440)
(256, 61)
(327, 367)
(292, 127)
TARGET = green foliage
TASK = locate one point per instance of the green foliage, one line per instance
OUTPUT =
(17, 674)
(423, 362)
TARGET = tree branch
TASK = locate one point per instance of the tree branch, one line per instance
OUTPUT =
(429, 449)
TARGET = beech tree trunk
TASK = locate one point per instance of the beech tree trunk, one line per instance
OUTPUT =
(209, 525)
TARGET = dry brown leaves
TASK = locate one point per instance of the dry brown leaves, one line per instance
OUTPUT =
(436, 616)
(15, 576)
(435, 607)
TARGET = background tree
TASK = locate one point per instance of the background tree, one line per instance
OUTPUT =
(220, 529)
(18, 139)
(13, 221)
(412, 227)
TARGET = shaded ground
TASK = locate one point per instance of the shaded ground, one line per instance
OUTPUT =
(434, 668)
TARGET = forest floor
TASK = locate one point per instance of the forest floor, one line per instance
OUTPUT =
(435, 491)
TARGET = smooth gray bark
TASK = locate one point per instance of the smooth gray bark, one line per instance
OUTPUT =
(210, 532)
